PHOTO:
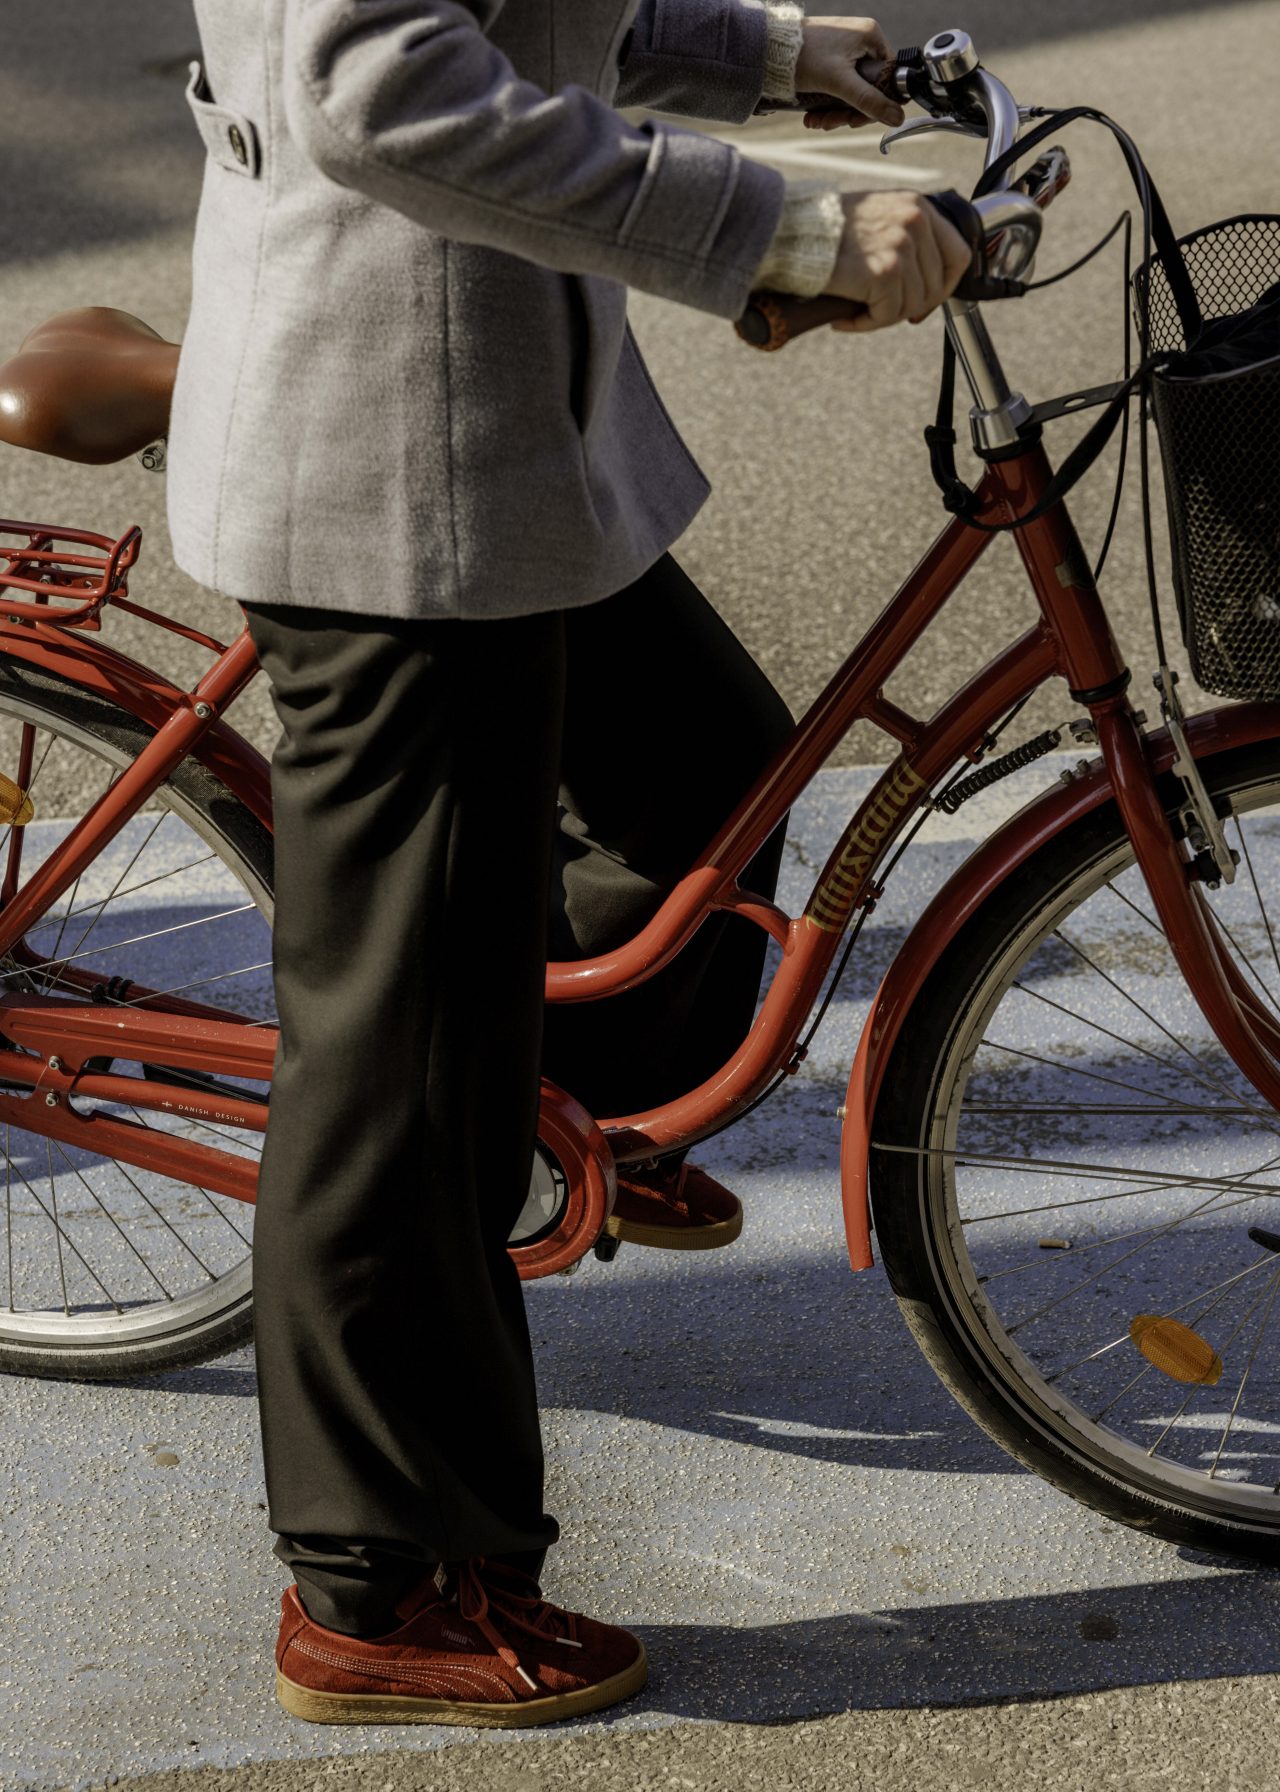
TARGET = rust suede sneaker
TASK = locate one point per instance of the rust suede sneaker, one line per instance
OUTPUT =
(680, 1209)
(479, 1645)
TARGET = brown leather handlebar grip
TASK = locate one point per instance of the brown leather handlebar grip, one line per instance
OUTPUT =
(773, 319)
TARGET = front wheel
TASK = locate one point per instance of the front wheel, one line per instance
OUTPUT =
(1065, 1171)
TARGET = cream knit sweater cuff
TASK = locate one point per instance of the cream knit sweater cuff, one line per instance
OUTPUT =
(786, 34)
(802, 256)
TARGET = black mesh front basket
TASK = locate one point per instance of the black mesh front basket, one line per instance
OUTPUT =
(1220, 444)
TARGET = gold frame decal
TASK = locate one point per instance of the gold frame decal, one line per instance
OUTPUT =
(851, 865)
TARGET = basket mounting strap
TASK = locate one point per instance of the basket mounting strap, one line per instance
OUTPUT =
(961, 500)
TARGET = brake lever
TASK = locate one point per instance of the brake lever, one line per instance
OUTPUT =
(920, 127)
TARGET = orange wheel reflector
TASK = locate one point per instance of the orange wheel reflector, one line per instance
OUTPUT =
(1175, 1349)
(15, 804)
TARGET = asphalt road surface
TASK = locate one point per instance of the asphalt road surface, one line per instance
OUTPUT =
(823, 499)
(864, 1590)
(841, 1581)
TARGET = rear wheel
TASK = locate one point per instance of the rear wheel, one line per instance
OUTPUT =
(1065, 1171)
(107, 1269)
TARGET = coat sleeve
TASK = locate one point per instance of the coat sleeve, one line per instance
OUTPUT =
(699, 58)
(408, 102)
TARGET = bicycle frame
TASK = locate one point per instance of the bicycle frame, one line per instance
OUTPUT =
(1072, 639)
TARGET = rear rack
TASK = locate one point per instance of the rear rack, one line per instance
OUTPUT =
(70, 587)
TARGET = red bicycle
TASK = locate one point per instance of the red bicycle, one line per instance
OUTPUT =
(1063, 1105)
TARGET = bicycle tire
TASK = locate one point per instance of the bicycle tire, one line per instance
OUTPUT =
(245, 848)
(917, 1226)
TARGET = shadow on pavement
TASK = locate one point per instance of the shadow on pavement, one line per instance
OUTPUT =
(99, 146)
(797, 1356)
(995, 25)
(965, 1654)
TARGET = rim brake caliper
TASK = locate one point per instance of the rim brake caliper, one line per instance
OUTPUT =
(1216, 860)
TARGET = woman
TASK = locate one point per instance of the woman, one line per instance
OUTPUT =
(413, 435)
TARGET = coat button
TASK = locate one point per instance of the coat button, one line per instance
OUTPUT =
(238, 150)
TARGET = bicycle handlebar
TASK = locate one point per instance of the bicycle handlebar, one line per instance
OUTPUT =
(772, 319)
(947, 81)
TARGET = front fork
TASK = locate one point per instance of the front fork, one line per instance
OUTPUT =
(1241, 1024)
(1097, 677)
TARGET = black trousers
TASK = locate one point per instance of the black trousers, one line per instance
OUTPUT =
(452, 799)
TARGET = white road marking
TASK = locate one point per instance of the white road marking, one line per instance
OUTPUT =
(837, 162)
(830, 162)
(794, 1428)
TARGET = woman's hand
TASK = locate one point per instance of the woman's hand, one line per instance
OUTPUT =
(828, 63)
(899, 257)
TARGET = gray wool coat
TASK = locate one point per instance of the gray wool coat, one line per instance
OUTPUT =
(407, 385)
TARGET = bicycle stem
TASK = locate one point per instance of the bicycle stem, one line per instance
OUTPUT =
(999, 411)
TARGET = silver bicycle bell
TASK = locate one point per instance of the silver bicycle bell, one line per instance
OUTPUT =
(950, 56)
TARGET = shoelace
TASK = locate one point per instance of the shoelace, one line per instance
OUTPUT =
(530, 1613)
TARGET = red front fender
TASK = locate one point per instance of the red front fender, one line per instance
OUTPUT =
(996, 859)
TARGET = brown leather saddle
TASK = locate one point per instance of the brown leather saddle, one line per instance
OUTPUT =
(91, 385)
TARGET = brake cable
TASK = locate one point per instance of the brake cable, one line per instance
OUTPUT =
(961, 785)
(870, 898)
(957, 496)
(1085, 259)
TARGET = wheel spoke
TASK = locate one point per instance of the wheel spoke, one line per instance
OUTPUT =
(1096, 1076)
(53, 1202)
(156, 995)
(1065, 1167)
(1264, 1115)
(138, 939)
(77, 950)
(1068, 1067)
(1226, 1285)
(1235, 1404)
(145, 883)
(62, 927)
(1208, 1077)
(94, 1245)
(1093, 1109)
(1117, 1237)
(12, 823)
(94, 1196)
(71, 1245)
(1269, 1289)
(1262, 907)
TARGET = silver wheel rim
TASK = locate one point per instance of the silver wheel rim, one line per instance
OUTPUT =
(1003, 1293)
(158, 1229)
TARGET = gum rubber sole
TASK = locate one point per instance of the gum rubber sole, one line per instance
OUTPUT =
(677, 1238)
(394, 1708)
